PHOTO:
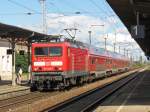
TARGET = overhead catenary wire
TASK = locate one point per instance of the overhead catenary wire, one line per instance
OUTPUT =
(111, 11)
(80, 10)
(77, 9)
(69, 12)
(18, 13)
(102, 10)
(23, 6)
(52, 4)
(37, 12)
(55, 6)
(112, 19)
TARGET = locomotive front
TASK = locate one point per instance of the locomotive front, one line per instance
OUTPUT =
(48, 64)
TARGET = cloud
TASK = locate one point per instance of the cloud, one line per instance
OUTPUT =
(122, 30)
(56, 23)
(112, 19)
(80, 21)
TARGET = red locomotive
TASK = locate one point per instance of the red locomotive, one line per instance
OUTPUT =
(58, 64)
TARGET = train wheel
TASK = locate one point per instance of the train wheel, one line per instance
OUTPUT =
(60, 86)
(67, 84)
(33, 87)
(40, 86)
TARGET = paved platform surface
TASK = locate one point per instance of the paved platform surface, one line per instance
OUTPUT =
(8, 82)
(134, 97)
(5, 82)
(7, 90)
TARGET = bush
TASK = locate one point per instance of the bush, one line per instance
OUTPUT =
(23, 61)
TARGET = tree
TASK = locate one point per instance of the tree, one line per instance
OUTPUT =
(23, 61)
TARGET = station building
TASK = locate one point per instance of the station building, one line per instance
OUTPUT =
(5, 61)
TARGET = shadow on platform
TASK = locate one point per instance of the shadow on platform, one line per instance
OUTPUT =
(137, 92)
(9, 82)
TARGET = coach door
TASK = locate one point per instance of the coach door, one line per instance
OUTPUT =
(72, 63)
(86, 63)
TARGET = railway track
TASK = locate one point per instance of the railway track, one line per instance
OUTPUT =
(29, 98)
(10, 103)
(88, 101)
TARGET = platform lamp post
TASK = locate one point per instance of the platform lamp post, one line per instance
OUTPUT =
(114, 47)
(131, 58)
(124, 51)
(105, 38)
(127, 53)
(90, 36)
(105, 42)
(121, 45)
(115, 42)
(119, 49)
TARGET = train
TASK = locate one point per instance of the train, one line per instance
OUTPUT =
(60, 63)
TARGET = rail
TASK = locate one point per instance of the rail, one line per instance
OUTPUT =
(87, 101)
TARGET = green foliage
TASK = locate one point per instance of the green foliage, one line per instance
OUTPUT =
(23, 61)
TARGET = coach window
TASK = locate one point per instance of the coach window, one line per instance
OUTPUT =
(107, 61)
(42, 51)
(55, 51)
(93, 61)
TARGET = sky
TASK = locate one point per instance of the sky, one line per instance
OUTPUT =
(85, 15)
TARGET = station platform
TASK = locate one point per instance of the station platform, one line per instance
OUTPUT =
(134, 97)
(8, 91)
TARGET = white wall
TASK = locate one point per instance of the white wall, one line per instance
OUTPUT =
(5, 61)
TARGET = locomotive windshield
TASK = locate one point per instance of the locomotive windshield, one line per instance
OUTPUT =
(41, 51)
(55, 51)
(48, 51)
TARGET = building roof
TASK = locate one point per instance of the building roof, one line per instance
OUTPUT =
(17, 32)
(21, 35)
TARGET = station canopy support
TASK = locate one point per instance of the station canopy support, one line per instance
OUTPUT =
(16, 35)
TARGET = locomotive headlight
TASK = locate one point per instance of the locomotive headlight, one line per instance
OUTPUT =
(35, 69)
(56, 63)
(39, 63)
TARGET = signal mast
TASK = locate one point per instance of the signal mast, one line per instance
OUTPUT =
(43, 4)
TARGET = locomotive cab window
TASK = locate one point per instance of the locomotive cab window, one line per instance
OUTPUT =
(55, 51)
(42, 51)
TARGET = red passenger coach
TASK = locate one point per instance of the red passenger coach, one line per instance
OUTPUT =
(58, 64)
